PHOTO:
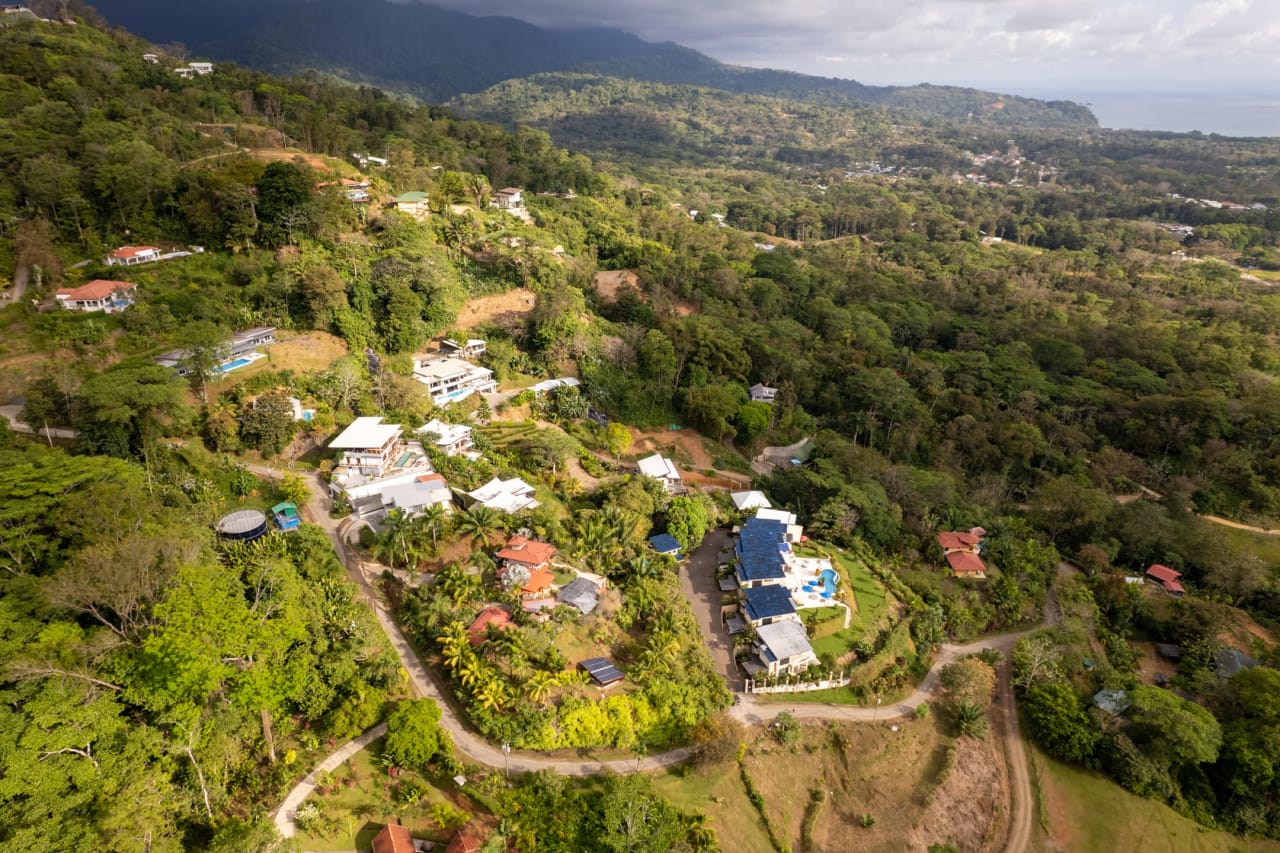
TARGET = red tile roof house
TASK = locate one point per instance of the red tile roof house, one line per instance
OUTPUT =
(491, 615)
(393, 838)
(532, 560)
(127, 256)
(1167, 578)
(98, 295)
(961, 550)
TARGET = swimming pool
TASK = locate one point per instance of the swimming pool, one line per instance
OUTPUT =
(228, 366)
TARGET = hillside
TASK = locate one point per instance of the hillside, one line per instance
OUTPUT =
(1044, 338)
(436, 54)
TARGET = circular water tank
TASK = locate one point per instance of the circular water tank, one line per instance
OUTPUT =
(243, 525)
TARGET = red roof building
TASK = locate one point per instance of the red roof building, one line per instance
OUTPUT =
(466, 841)
(528, 553)
(393, 838)
(1167, 578)
(539, 581)
(129, 255)
(491, 615)
(98, 295)
(959, 542)
(966, 565)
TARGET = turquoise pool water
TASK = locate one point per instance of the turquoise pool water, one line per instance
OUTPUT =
(829, 578)
(227, 367)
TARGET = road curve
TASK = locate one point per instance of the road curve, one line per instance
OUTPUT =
(475, 748)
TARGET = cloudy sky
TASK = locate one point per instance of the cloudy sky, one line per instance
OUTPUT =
(1012, 45)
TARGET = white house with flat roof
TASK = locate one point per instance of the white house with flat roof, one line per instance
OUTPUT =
(761, 393)
(368, 446)
(452, 379)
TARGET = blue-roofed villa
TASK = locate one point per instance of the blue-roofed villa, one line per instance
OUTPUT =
(665, 543)
(765, 604)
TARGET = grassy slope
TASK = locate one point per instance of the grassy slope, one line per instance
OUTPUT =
(1087, 812)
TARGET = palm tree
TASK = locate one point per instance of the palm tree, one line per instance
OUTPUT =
(472, 671)
(434, 520)
(492, 694)
(540, 685)
(480, 522)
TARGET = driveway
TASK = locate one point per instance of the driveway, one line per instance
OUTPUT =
(698, 581)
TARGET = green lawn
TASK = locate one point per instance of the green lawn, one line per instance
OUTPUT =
(870, 597)
(358, 810)
(1088, 812)
(1266, 548)
(718, 792)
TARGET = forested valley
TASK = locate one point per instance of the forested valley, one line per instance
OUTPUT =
(1066, 337)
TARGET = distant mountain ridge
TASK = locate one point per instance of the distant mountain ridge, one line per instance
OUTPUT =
(437, 54)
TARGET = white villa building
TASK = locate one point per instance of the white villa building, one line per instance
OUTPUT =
(368, 447)
(451, 379)
(783, 647)
(761, 393)
(509, 496)
(450, 439)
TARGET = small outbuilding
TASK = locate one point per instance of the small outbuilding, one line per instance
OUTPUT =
(393, 838)
(286, 515)
(1114, 702)
(580, 593)
(665, 543)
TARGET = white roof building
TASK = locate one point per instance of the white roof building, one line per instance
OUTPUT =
(660, 468)
(794, 529)
(365, 432)
(451, 379)
(451, 439)
(761, 393)
(509, 496)
(745, 501)
(551, 384)
(784, 647)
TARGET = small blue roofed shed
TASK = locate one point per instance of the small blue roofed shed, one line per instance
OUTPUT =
(767, 603)
(286, 515)
(601, 670)
(665, 543)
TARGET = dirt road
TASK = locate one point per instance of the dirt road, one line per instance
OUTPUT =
(474, 747)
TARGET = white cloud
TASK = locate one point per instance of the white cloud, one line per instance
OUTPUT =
(998, 43)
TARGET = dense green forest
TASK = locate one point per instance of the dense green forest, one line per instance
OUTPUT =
(1015, 356)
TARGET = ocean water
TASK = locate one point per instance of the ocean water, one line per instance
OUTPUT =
(1227, 113)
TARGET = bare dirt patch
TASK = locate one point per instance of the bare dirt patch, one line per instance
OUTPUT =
(687, 449)
(502, 309)
(302, 353)
(315, 161)
(963, 810)
(1152, 664)
(609, 282)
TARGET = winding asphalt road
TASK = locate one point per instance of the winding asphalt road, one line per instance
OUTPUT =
(748, 709)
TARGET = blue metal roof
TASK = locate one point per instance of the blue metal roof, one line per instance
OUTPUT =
(768, 602)
(665, 543)
(761, 543)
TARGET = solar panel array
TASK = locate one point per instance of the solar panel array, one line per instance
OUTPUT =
(602, 670)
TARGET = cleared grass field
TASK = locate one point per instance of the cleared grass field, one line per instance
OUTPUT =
(1088, 813)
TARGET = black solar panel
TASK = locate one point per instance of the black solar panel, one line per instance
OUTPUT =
(602, 670)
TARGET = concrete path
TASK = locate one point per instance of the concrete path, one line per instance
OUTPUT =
(284, 816)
